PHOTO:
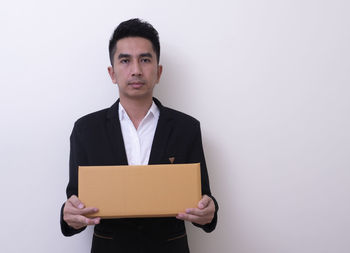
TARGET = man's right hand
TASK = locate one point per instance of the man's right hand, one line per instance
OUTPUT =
(74, 213)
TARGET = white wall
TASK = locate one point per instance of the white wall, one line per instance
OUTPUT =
(269, 81)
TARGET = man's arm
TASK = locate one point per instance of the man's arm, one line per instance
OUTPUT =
(205, 215)
(73, 212)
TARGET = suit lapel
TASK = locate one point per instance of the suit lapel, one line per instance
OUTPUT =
(115, 135)
(162, 134)
(160, 140)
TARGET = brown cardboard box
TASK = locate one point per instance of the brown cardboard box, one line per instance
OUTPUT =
(140, 191)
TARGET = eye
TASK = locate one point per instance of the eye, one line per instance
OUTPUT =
(124, 61)
(146, 60)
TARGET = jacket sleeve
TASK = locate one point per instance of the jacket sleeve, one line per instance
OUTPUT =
(197, 155)
(77, 156)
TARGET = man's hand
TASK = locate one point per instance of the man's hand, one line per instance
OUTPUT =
(74, 211)
(202, 215)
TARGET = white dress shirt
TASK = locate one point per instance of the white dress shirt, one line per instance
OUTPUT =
(138, 142)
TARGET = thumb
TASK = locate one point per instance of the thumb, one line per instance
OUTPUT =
(204, 202)
(76, 202)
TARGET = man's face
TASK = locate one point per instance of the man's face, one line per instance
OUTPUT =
(135, 68)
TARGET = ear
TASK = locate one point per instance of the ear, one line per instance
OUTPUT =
(112, 74)
(160, 70)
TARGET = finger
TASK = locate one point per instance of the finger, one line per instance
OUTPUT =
(93, 221)
(85, 211)
(96, 220)
(204, 202)
(196, 211)
(76, 202)
(88, 210)
(202, 220)
(79, 221)
(69, 209)
(188, 217)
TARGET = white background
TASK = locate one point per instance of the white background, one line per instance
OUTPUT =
(269, 81)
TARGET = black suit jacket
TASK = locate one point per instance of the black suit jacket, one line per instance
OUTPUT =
(96, 139)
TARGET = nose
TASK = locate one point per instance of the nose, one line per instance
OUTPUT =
(136, 69)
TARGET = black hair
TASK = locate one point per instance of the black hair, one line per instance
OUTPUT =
(134, 28)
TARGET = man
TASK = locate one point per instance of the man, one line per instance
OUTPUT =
(136, 130)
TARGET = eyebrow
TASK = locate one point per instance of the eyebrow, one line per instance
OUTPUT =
(146, 55)
(120, 56)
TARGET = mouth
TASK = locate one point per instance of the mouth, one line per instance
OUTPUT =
(136, 85)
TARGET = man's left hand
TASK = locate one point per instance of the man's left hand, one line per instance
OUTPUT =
(202, 215)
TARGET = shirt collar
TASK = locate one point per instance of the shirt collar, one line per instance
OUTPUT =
(154, 111)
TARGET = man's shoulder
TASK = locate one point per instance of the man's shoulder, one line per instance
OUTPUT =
(92, 119)
(180, 117)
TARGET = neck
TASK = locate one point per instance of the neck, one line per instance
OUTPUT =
(136, 108)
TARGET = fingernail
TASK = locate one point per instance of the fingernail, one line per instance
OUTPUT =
(188, 210)
(80, 206)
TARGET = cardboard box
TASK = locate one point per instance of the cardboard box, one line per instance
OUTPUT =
(140, 191)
